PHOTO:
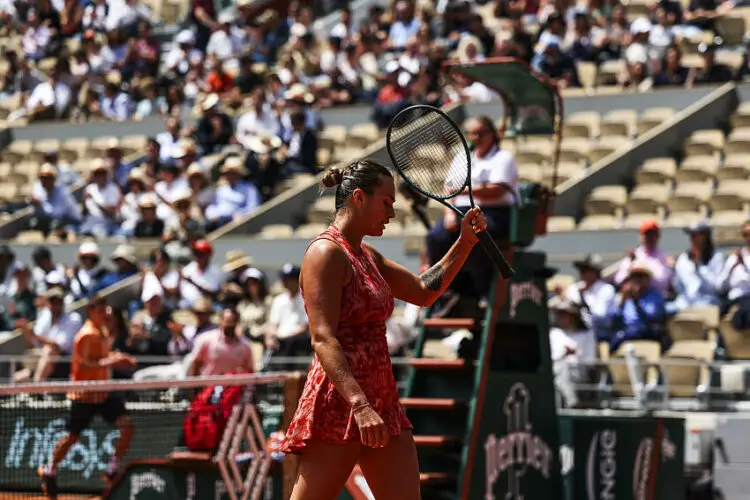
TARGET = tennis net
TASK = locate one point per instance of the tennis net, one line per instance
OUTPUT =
(34, 417)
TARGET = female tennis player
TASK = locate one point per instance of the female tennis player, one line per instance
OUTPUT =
(350, 410)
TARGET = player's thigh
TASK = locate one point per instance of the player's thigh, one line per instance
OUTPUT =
(324, 469)
(113, 411)
(392, 472)
(81, 415)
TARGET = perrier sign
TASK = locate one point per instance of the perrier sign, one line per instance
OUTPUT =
(514, 450)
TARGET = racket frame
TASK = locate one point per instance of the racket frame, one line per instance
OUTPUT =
(484, 238)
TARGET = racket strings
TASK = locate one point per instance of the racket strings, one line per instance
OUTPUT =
(429, 151)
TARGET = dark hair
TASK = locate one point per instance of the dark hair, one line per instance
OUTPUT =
(96, 301)
(708, 250)
(159, 253)
(41, 253)
(362, 174)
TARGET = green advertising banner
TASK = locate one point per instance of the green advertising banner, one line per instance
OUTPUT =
(516, 456)
(159, 480)
(621, 458)
(28, 435)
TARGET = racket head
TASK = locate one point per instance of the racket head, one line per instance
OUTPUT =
(429, 151)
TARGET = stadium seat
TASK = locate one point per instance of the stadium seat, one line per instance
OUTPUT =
(534, 150)
(648, 199)
(656, 171)
(741, 116)
(619, 122)
(606, 146)
(276, 231)
(564, 172)
(704, 142)
(583, 124)
(363, 134)
(560, 224)
(735, 167)
(309, 230)
(599, 223)
(653, 117)
(736, 342)
(648, 351)
(321, 210)
(682, 220)
(683, 379)
(529, 172)
(738, 141)
(690, 196)
(575, 150)
(731, 195)
(606, 200)
(700, 168)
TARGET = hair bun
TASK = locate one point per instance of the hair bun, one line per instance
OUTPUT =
(333, 177)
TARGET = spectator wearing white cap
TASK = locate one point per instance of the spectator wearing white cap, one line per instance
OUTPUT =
(149, 225)
(640, 31)
(149, 332)
(86, 271)
(54, 207)
(234, 199)
(263, 165)
(697, 271)
(226, 43)
(101, 203)
(392, 97)
(215, 129)
(177, 60)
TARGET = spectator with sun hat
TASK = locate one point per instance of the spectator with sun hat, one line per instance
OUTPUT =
(101, 203)
(54, 207)
(648, 254)
(235, 198)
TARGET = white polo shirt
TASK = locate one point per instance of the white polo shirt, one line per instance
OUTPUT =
(497, 167)
(63, 332)
(287, 314)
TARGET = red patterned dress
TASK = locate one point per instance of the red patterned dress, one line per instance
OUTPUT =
(322, 413)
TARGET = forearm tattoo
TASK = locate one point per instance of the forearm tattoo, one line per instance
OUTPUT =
(433, 277)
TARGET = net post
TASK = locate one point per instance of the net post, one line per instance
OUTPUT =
(293, 385)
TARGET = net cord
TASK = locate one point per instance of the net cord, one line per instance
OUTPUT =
(129, 385)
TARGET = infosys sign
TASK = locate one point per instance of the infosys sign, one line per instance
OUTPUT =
(607, 453)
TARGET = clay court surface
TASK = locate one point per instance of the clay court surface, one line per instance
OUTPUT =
(39, 496)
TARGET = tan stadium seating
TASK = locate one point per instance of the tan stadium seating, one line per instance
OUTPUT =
(682, 379)
(700, 168)
(683, 219)
(529, 172)
(731, 195)
(276, 231)
(738, 141)
(656, 171)
(599, 223)
(584, 124)
(653, 117)
(690, 196)
(321, 210)
(741, 117)
(705, 142)
(619, 122)
(575, 150)
(363, 134)
(634, 221)
(648, 199)
(310, 230)
(606, 146)
(648, 351)
(560, 224)
(606, 200)
(736, 167)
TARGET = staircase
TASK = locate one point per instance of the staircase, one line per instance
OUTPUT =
(441, 400)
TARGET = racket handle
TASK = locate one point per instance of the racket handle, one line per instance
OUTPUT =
(495, 255)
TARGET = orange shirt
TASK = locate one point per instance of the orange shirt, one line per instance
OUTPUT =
(93, 344)
(219, 83)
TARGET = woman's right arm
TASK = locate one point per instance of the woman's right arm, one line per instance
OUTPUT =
(324, 273)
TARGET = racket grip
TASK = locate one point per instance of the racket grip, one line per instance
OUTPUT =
(495, 255)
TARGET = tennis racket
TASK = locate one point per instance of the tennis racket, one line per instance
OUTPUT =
(432, 155)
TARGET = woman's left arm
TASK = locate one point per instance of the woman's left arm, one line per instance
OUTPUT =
(424, 289)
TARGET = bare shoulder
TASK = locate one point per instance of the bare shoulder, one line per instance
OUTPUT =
(325, 258)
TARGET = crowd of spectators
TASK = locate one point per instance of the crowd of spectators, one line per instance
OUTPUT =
(647, 289)
(178, 301)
